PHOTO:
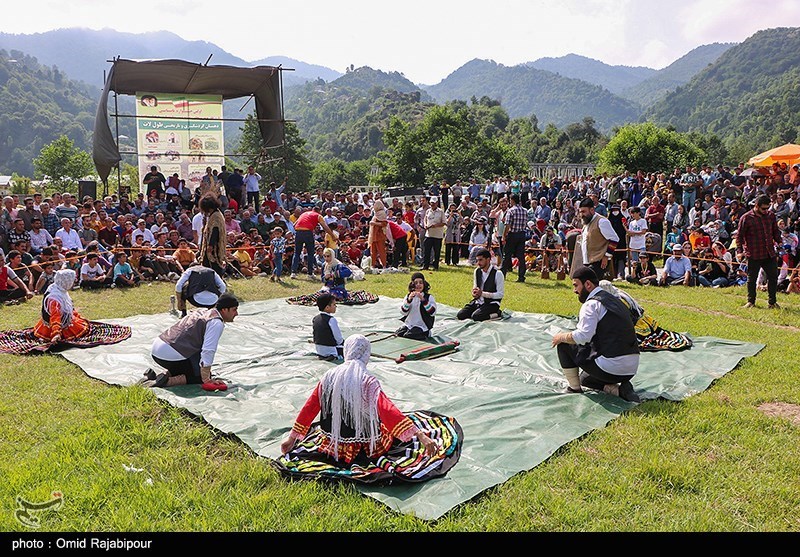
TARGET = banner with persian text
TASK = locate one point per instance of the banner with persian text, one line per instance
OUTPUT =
(179, 134)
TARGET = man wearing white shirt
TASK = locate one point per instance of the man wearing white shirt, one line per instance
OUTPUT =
(251, 180)
(488, 288)
(70, 240)
(142, 230)
(188, 348)
(197, 228)
(598, 239)
(201, 286)
(603, 344)
(40, 238)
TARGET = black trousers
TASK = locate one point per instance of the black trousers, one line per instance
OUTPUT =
(770, 267)
(592, 377)
(14, 294)
(253, 196)
(598, 270)
(96, 284)
(414, 333)
(432, 251)
(400, 253)
(514, 247)
(479, 312)
(451, 253)
(189, 367)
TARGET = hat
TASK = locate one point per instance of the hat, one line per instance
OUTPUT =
(677, 247)
(434, 199)
(644, 254)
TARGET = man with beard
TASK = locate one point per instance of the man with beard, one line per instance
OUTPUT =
(598, 240)
(603, 344)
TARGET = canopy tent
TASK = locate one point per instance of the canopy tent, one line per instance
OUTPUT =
(178, 76)
(789, 153)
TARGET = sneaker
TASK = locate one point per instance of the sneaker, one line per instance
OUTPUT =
(749, 305)
(293, 275)
(626, 392)
(774, 306)
(572, 391)
(263, 274)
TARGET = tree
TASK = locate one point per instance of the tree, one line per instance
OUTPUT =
(649, 148)
(274, 164)
(449, 143)
(63, 163)
(22, 184)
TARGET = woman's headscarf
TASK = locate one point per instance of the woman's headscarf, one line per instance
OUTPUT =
(349, 393)
(380, 212)
(63, 281)
(625, 298)
(329, 266)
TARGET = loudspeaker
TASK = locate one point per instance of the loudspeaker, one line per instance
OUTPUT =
(87, 187)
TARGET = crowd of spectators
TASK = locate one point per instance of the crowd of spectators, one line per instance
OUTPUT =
(685, 221)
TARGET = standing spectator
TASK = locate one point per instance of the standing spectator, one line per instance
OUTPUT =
(688, 185)
(516, 220)
(398, 237)
(154, 182)
(251, 183)
(758, 235)
(598, 240)
(655, 217)
(620, 254)
(452, 236)
(434, 234)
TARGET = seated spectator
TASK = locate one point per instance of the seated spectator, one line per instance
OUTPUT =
(242, 256)
(93, 276)
(46, 278)
(14, 261)
(125, 276)
(184, 255)
(677, 269)
(643, 271)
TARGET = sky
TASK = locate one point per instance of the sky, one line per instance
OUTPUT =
(425, 40)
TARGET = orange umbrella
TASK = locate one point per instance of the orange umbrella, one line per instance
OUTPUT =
(789, 153)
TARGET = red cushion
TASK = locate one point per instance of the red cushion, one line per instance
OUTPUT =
(215, 386)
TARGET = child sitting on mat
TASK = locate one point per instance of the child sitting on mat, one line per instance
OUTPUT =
(418, 309)
(328, 339)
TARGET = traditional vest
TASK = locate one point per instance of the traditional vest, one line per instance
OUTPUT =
(201, 280)
(427, 318)
(323, 335)
(490, 285)
(186, 336)
(596, 243)
(615, 334)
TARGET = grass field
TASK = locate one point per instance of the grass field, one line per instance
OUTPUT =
(725, 460)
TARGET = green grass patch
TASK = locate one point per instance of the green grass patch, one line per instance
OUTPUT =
(713, 462)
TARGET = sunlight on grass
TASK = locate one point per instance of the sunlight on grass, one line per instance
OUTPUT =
(711, 463)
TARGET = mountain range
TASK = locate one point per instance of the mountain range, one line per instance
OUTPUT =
(706, 90)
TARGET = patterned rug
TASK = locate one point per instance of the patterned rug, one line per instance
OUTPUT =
(25, 342)
(405, 462)
(653, 338)
(354, 298)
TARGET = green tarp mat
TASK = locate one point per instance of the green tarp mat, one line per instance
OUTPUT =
(503, 385)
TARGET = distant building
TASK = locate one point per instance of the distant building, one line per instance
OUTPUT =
(6, 184)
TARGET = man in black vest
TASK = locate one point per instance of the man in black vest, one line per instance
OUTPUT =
(201, 286)
(604, 343)
(187, 349)
(488, 287)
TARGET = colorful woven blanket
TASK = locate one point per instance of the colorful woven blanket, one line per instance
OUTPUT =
(354, 298)
(25, 342)
(405, 462)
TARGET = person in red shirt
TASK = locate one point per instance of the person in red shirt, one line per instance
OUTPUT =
(355, 414)
(398, 238)
(655, 216)
(304, 228)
